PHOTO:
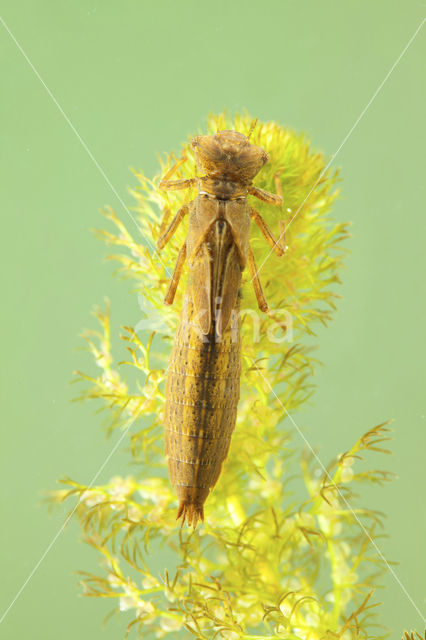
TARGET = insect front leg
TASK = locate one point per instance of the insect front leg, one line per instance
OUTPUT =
(167, 184)
(174, 168)
(266, 196)
(275, 245)
(278, 185)
(174, 185)
(177, 272)
(260, 296)
(168, 233)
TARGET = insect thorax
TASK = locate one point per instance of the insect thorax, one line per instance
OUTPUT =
(222, 188)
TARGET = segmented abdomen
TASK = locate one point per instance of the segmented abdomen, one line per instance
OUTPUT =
(202, 393)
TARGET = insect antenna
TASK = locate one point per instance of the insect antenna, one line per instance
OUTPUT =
(252, 128)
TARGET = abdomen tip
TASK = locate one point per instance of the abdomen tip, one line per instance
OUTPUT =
(190, 512)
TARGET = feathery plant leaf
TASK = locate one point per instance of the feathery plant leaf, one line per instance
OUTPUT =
(264, 565)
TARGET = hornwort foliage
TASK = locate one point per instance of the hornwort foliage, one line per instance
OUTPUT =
(264, 564)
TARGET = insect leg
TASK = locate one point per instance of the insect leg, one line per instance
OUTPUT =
(171, 289)
(278, 185)
(168, 233)
(173, 169)
(164, 221)
(266, 196)
(166, 183)
(174, 185)
(275, 245)
(261, 300)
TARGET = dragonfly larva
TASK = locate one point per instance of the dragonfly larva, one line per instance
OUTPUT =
(203, 383)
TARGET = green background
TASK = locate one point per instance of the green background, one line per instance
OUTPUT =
(135, 78)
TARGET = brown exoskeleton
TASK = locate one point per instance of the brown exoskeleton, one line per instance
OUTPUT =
(203, 384)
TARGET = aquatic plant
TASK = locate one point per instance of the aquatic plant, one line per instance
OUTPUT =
(267, 562)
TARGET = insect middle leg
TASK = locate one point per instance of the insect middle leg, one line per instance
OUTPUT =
(177, 272)
(260, 296)
(164, 221)
(275, 245)
(169, 232)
